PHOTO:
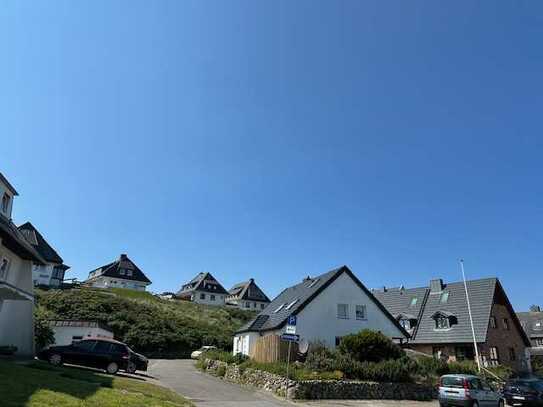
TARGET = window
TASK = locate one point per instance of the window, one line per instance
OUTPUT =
(493, 322)
(494, 356)
(313, 283)
(512, 354)
(76, 339)
(102, 347)
(506, 324)
(444, 297)
(85, 345)
(539, 342)
(343, 311)
(289, 306)
(121, 272)
(405, 324)
(247, 305)
(464, 353)
(212, 297)
(254, 304)
(360, 312)
(538, 326)
(442, 322)
(413, 302)
(279, 308)
(262, 306)
(129, 273)
(5, 203)
(338, 340)
(202, 296)
(4, 268)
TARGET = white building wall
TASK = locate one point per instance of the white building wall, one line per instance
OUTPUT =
(247, 305)
(197, 298)
(41, 274)
(113, 282)
(245, 343)
(16, 317)
(64, 335)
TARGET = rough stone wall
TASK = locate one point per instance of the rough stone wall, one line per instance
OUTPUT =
(320, 389)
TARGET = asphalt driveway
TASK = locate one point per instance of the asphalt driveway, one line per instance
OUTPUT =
(208, 391)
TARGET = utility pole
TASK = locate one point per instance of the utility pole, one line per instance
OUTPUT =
(470, 317)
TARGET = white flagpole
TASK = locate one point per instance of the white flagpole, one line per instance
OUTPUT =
(470, 316)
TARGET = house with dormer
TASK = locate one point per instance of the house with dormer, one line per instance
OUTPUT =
(532, 322)
(247, 295)
(17, 258)
(327, 307)
(121, 273)
(52, 273)
(203, 289)
(437, 318)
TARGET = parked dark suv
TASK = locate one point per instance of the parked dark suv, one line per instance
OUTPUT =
(100, 353)
(524, 392)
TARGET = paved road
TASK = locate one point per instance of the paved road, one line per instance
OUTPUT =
(207, 391)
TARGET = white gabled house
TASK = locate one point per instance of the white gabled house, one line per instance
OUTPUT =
(247, 295)
(203, 289)
(122, 273)
(16, 289)
(327, 307)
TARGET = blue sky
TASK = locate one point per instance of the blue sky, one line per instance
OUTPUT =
(279, 139)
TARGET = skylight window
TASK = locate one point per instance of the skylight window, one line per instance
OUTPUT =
(289, 306)
(413, 302)
(313, 283)
(444, 297)
(279, 308)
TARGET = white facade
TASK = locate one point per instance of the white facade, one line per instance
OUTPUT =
(207, 298)
(66, 335)
(16, 302)
(247, 305)
(114, 282)
(320, 320)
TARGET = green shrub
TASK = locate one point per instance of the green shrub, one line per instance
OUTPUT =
(320, 358)
(43, 334)
(224, 356)
(369, 346)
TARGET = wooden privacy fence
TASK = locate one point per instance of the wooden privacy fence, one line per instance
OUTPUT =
(272, 349)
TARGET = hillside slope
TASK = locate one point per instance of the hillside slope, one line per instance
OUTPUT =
(150, 325)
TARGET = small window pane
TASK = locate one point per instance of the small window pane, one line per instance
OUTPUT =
(360, 312)
(343, 311)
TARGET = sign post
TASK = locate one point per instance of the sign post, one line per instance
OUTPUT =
(290, 336)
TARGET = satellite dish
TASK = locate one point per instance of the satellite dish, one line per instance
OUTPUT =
(303, 346)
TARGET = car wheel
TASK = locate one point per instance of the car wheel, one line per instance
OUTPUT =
(55, 359)
(131, 368)
(112, 368)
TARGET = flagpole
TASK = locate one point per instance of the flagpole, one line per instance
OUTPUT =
(470, 316)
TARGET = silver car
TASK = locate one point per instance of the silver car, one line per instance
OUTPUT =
(467, 391)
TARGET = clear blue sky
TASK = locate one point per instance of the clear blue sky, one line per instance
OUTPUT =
(279, 139)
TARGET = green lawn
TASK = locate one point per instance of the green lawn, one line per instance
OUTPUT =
(40, 385)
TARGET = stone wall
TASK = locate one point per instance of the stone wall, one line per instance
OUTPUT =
(319, 389)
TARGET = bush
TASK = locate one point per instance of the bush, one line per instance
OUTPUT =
(320, 358)
(43, 334)
(369, 346)
(224, 356)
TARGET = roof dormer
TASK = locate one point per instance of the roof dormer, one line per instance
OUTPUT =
(7, 193)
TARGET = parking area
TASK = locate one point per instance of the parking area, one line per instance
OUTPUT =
(205, 390)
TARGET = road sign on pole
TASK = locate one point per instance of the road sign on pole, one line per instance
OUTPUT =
(292, 320)
(291, 324)
(290, 337)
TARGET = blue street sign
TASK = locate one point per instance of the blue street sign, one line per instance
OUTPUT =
(291, 320)
(290, 337)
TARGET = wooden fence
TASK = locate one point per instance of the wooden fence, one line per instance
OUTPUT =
(272, 349)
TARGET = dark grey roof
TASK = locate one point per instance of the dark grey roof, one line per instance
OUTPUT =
(8, 185)
(301, 295)
(532, 322)
(35, 238)
(202, 282)
(113, 270)
(15, 241)
(482, 294)
(248, 290)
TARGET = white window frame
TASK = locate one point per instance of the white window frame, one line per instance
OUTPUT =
(6, 199)
(364, 312)
(344, 315)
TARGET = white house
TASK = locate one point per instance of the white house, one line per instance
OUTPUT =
(52, 273)
(247, 295)
(70, 331)
(203, 289)
(16, 288)
(327, 308)
(122, 273)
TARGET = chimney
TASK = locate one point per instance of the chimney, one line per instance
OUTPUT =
(535, 308)
(306, 279)
(251, 280)
(436, 286)
(123, 256)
